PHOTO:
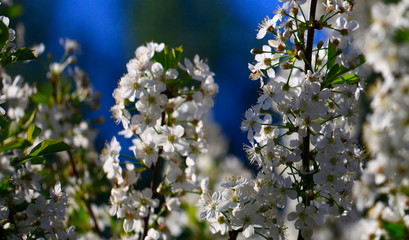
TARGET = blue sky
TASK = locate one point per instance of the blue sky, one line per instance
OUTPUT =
(102, 29)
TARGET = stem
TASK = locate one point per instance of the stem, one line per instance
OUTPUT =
(87, 203)
(233, 234)
(155, 171)
(306, 140)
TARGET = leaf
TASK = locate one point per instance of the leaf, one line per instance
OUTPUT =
(4, 122)
(49, 146)
(334, 74)
(11, 144)
(33, 132)
(21, 54)
(332, 54)
(40, 98)
(29, 118)
(391, 1)
(362, 60)
(395, 230)
(33, 160)
(15, 11)
(4, 34)
(13, 129)
(36, 160)
(330, 75)
(177, 56)
(349, 78)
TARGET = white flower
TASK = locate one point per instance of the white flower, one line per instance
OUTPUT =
(211, 206)
(110, 160)
(199, 71)
(171, 139)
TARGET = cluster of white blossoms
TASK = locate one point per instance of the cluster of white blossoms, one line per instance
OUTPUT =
(23, 209)
(56, 119)
(382, 194)
(26, 211)
(161, 104)
(299, 130)
(59, 116)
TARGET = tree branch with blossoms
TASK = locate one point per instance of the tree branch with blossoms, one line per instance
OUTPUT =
(304, 153)
(161, 104)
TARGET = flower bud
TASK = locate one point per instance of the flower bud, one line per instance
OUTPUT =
(72, 60)
(294, 11)
(287, 34)
(301, 54)
(320, 44)
(256, 51)
(339, 51)
(285, 65)
(282, 12)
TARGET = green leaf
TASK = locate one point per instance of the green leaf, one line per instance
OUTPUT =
(4, 34)
(21, 54)
(40, 98)
(4, 122)
(15, 11)
(395, 230)
(11, 144)
(349, 78)
(33, 132)
(177, 56)
(330, 75)
(49, 146)
(34, 160)
(391, 1)
(332, 54)
(169, 58)
(401, 36)
(13, 129)
(28, 118)
(362, 60)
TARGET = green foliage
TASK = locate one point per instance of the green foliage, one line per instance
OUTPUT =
(9, 56)
(14, 143)
(348, 78)
(49, 146)
(33, 132)
(4, 34)
(337, 74)
(169, 59)
(14, 11)
(396, 230)
(401, 36)
(332, 51)
(391, 1)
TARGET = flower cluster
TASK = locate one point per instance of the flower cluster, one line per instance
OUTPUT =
(25, 212)
(382, 192)
(299, 130)
(59, 116)
(161, 104)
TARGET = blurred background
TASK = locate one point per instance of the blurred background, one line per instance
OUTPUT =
(109, 31)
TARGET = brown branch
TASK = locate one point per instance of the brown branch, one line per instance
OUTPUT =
(87, 203)
(306, 140)
(234, 233)
(155, 172)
